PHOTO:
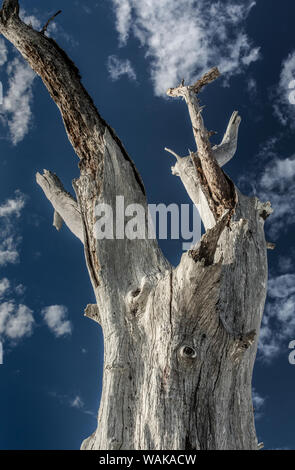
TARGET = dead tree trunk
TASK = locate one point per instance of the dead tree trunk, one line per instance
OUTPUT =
(180, 343)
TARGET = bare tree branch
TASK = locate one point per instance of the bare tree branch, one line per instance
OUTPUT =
(225, 151)
(64, 204)
(178, 158)
(84, 125)
(87, 132)
(220, 189)
(209, 77)
(44, 29)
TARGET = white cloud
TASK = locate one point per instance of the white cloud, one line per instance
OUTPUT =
(123, 19)
(13, 206)
(16, 110)
(119, 67)
(282, 286)
(281, 172)
(184, 38)
(9, 255)
(16, 321)
(284, 108)
(9, 239)
(278, 322)
(276, 184)
(31, 20)
(55, 317)
(258, 403)
(4, 286)
(3, 52)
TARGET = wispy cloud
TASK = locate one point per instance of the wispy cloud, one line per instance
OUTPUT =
(54, 28)
(16, 321)
(258, 404)
(13, 206)
(284, 96)
(3, 52)
(88, 9)
(30, 19)
(4, 287)
(252, 86)
(16, 111)
(276, 184)
(274, 181)
(7, 288)
(55, 317)
(77, 402)
(118, 67)
(8, 251)
(9, 238)
(278, 323)
(20, 289)
(183, 38)
(285, 264)
(73, 401)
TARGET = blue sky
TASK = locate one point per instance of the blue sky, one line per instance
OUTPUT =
(129, 52)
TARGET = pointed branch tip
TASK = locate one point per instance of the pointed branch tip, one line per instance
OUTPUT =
(178, 158)
(44, 29)
(207, 78)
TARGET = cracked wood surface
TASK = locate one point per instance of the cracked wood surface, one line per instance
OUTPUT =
(180, 343)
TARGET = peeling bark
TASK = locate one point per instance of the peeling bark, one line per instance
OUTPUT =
(180, 343)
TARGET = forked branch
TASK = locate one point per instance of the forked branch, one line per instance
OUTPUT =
(217, 186)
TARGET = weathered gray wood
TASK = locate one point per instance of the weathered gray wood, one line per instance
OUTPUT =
(217, 188)
(66, 208)
(185, 169)
(180, 343)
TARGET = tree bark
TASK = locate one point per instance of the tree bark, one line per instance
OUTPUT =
(180, 343)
